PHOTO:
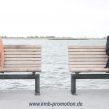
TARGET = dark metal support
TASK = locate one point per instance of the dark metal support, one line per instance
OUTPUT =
(24, 76)
(37, 84)
(85, 76)
(73, 84)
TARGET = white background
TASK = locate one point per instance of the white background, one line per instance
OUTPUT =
(74, 18)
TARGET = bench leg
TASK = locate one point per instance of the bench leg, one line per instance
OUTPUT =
(73, 84)
(37, 84)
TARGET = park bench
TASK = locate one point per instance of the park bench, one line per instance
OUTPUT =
(83, 60)
(20, 59)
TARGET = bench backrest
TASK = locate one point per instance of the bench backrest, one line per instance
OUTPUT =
(87, 58)
(25, 58)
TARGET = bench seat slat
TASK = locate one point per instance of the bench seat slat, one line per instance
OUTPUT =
(22, 46)
(88, 60)
(23, 62)
(87, 47)
(86, 50)
(22, 56)
(22, 59)
(37, 69)
(87, 53)
(87, 63)
(22, 50)
(22, 53)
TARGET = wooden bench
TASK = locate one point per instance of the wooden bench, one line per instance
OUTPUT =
(22, 58)
(87, 59)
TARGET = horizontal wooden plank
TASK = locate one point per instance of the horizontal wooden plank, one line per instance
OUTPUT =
(88, 56)
(87, 63)
(23, 62)
(87, 66)
(38, 69)
(88, 47)
(22, 56)
(22, 46)
(87, 53)
(23, 59)
(88, 59)
(89, 70)
(86, 50)
(20, 66)
(22, 50)
(22, 53)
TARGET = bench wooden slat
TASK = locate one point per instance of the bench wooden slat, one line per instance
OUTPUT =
(89, 69)
(87, 47)
(22, 50)
(22, 46)
(87, 53)
(22, 62)
(22, 53)
(87, 63)
(86, 50)
(22, 59)
(22, 56)
(17, 66)
(37, 69)
(88, 59)
(87, 56)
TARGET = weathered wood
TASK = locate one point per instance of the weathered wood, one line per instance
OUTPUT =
(22, 46)
(87, 63)
(37, 69)
(22, 50)
(87, 59)
(86, 50)
(22, 56)
(22, 62)
(22, 53)
(87, 56)
(87, 66)
(87, 53)
(20, 66)
(23, 59)
(87, 47)
(89, 69)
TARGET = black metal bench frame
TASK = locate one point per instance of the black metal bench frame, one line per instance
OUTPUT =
(85, 76)
(24, 76)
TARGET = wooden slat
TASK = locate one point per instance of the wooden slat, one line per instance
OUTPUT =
(23, 59)
(22, 53)
(86, 50)
(23, 50)
(87, 47)
(87, 66)
(22, 46)
(88, 59)
(22, 66)
(38, 69)
(22, 56)
(88, 63)
(87, 56)
(89, 70)
(87, 53)
(22, 62)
